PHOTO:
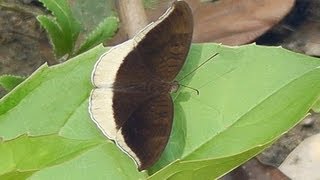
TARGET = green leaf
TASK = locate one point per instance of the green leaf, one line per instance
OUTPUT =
(84, 10)
(316, 106)
(249, 96)
(104, 31)
(63, 28)
(33, 153)
(8, 82)
(95, 30)
(207, 168)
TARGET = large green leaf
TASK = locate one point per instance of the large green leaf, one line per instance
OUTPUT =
(249, 96)
(205, 168)
(316, 106)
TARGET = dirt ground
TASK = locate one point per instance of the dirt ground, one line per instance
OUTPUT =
(23, 43)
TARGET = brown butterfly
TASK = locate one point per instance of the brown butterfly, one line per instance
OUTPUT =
(131, 102)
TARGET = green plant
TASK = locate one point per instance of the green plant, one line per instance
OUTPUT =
(73, 28)
(8, 82)
(64, 28)
(249, 97)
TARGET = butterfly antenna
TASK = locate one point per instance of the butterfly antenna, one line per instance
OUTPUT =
(196, 90)
(211, 57)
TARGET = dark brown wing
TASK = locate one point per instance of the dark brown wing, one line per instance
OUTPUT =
(161, 50)
(130, 87)
(145, 119)
(165, 47)
(147, 131)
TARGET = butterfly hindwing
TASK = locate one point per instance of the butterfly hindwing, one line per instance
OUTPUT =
(120, 85)
(147, 130)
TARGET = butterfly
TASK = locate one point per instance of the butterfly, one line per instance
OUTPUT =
(131, 102)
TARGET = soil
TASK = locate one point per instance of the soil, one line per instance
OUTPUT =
(23, 43)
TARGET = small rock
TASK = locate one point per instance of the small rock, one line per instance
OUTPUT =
(304, 161)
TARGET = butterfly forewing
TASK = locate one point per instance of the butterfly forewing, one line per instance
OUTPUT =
(164, 49)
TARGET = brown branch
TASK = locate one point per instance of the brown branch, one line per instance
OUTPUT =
(133, 16)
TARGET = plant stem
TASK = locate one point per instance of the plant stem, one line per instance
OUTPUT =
(132, 15)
